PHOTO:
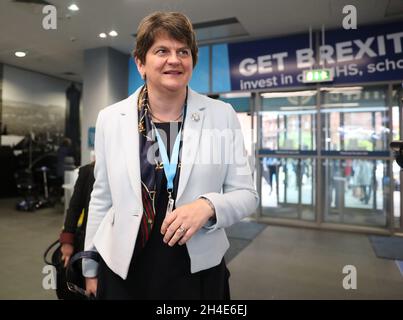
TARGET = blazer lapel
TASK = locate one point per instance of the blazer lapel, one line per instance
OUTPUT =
(191, 138)
(130, 141)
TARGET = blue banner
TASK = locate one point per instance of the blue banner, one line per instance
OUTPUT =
(266, 63)
(368, 54)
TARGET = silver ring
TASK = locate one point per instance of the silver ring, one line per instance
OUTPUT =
(181, 229)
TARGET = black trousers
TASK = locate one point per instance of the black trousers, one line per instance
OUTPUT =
(151, 284)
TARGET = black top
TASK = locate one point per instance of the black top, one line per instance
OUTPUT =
(80, 200)
(169, 134)
(159, 271)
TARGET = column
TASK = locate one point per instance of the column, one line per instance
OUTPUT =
(105, 82)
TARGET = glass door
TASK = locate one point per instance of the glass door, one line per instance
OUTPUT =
(241, 102)
(397, 104)
(287, 157)
(356, 191)
(355, 168)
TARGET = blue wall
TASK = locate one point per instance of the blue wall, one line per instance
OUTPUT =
(135, 80)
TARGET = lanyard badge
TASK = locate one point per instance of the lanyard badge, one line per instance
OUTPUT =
(170, 205)
(169, 166)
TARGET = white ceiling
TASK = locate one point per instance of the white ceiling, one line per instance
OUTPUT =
(52, 51)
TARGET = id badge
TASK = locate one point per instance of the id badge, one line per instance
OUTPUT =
(170, 205)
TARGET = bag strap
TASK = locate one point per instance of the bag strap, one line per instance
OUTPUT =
(45, 255)
(70, 270)
(93, 255)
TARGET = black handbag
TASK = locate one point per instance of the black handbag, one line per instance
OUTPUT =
(62, 290)
(74, 273)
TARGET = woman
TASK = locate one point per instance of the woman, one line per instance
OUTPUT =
(157, 214)
(73, 233)
(78, 210)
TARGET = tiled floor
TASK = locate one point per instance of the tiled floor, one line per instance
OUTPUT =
(280, 263)
(24, 236)
(291, 263)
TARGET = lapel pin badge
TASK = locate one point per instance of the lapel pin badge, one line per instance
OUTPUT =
(195, 116)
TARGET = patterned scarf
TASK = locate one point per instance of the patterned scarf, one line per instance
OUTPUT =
(147, 140)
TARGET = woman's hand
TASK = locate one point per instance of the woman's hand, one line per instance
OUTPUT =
(182, 223)
(91, 285)
(67, 251)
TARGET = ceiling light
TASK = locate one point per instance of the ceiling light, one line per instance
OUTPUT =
(73, 7)
(113, 33)
(341, 89)
(306, 93)
(20, 54)
(235, 95)
(102, 35)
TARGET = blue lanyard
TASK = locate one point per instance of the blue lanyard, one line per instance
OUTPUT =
(169, 166)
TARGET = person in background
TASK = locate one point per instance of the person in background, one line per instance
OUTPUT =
(64, 150)
(363, 176)
(73, 232)
(270, 166)
(160, 203)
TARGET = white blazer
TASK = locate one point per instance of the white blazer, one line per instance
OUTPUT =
(223, 176)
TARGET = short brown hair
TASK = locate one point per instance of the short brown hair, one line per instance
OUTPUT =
(175, 24)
